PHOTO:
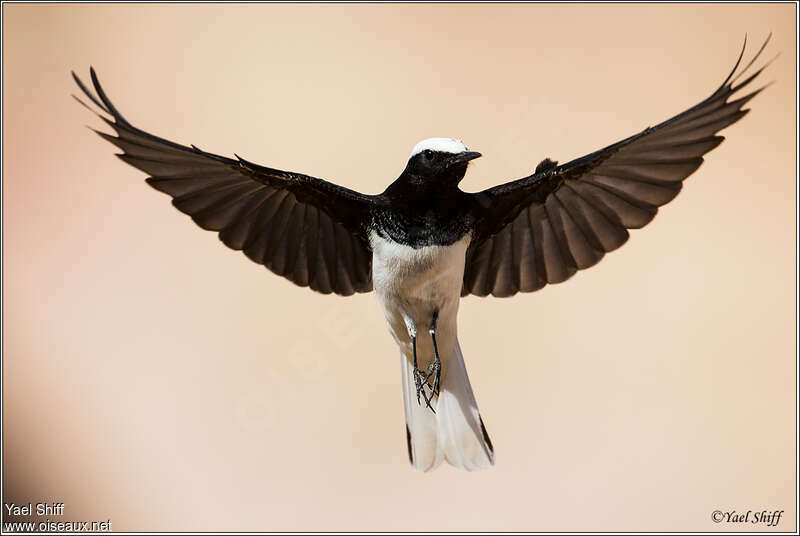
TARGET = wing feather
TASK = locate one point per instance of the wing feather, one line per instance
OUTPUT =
(562, 219)
(305, 229)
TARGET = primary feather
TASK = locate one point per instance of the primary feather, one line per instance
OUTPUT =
(544, 228)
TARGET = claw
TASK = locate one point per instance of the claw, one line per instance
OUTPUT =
(421, 380)
(417, 379)
(435, 370)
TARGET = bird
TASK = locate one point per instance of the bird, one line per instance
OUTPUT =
(424, 243)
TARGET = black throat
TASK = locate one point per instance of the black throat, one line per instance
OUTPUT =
(418, 210)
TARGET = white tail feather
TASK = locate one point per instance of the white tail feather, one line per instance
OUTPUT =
(462, 435)
(455, 432)
(421, 425)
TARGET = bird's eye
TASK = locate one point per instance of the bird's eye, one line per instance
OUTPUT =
(428, 154)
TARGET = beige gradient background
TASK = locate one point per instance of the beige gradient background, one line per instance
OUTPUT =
(155, 378)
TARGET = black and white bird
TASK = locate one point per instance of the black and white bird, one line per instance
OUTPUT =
(424, 243)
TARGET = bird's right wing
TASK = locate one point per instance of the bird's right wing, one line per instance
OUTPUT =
(544, 228)
(305, 229)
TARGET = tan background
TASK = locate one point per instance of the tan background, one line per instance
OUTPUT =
(155, 378)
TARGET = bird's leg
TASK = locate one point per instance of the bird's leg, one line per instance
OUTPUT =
(435, 368)
(420, 378)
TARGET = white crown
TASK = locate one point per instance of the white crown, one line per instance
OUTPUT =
(444, 145)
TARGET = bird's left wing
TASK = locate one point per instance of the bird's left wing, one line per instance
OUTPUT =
(305, 229)
(543, 228)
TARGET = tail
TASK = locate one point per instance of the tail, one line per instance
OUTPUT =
(455, 432)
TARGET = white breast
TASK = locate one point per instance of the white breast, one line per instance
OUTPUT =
(423, 273)
(412, 283)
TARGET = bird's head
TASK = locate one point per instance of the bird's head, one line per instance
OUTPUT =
(441, 161)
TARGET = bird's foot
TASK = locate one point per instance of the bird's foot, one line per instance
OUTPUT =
(435, 370)
(421, 381)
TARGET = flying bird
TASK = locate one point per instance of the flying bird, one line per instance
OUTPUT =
(424, 243)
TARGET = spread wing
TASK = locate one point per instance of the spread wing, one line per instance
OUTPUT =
(305, 229)
(543, 228)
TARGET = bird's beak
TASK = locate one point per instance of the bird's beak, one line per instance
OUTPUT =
(460, 158)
